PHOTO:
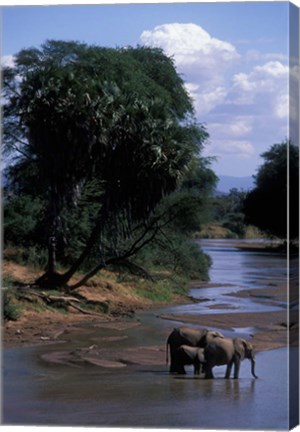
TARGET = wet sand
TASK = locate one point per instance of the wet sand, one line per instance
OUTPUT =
(269, 330)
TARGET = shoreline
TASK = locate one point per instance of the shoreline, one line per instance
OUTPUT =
(271, 330)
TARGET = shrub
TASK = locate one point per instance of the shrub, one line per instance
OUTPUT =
(11, 310)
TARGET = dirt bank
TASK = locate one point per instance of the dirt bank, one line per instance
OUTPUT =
(270, 330)
(42, 322)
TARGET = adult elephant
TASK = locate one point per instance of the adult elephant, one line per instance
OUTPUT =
(188, 355)
(227, 351)
(196, 337)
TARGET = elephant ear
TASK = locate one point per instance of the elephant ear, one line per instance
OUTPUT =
(240, 346)
(189, 351)
(249, 350)
(216, 334)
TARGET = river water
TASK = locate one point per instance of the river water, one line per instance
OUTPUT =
(38, 393)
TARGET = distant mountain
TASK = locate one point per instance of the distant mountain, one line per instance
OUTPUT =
(229, 182)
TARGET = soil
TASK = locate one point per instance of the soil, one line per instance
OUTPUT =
(43, 325)
(34, 328)
(270, 330)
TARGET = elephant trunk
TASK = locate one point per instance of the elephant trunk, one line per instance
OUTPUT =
(253, 367)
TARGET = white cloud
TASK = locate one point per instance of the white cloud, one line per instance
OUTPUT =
(191, 47)
(242, 99)
(233, 127)
(281, 106)
(206, 100)
(8, 61)
(238, 148)
(254, 55)
(199, 57)
(272, 68)
(265, 78)
(265, 87)
(231, 137)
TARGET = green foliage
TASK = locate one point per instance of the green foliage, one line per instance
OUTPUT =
(21, 216)
(101, 138)
(176, 253)
(235, 223)
(11, 310)
(266, 205)
(164, 288)
(161, 70)
(228, 211)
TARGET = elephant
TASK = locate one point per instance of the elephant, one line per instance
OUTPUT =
(188, 355)
(188, 336)
(228, 351)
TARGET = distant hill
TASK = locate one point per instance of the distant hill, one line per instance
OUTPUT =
(229, 182)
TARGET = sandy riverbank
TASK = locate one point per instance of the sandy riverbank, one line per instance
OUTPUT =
(270, 331)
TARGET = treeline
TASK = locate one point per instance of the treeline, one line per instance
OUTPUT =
(105, 167)
(105, 163)
(272, 206)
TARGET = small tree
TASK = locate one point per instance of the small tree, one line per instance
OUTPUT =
(266, 205)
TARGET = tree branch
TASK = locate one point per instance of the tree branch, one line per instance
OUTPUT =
(116, 259)
(136, 269)
(16, 138)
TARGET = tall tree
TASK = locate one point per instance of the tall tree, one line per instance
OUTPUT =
(277, 186)
(76, 115)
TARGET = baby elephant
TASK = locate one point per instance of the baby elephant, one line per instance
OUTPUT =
(194, 337)
(187, 355)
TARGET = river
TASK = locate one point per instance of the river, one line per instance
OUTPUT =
(38, 393)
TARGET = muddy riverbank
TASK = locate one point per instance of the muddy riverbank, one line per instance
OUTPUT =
(270, 328)
(111, 371)
(267, 329)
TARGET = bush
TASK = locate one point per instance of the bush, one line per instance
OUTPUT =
(11, 310)
(177, 254)
(31, 255)
(21, 215)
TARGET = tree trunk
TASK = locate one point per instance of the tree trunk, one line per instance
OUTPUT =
(91, 241)
(52, 279)
(51, 255)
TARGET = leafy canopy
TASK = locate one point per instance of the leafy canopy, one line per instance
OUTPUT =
(266, 205)
(118, 119)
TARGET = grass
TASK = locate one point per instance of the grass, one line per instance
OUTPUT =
(105, 293)
(11, 307)
(162, 290)
(215, 231)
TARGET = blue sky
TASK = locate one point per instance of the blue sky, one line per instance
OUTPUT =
(232, 56)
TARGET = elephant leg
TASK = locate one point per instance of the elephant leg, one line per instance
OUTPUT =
(208, 372)
(237, 365)
(174, 361)
(228, 370)
(172, 366)
(197, 369)
(181, 370)
(177, 369)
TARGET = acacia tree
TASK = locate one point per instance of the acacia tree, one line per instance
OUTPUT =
(76, 115)
(277, 186)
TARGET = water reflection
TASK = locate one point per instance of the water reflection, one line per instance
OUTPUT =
(147, 396)
(151, 397)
